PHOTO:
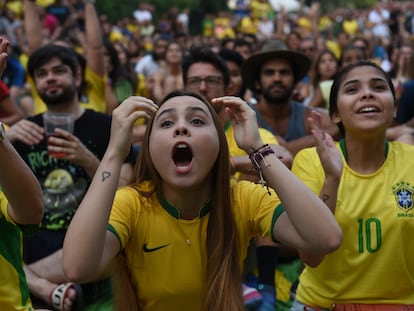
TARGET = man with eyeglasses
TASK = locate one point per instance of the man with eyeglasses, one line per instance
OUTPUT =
(204, 72)
(207, 73)
(210, 81)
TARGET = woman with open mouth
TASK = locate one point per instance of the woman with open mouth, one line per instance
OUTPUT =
(182, 227)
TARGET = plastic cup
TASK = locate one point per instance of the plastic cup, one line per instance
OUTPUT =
(54, 120)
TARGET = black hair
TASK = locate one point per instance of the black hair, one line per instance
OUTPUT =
(231, 56)
(333, 96)
(204, 54)
(119, 72)
(45, 53)
(113, 56)
(352, 47)
(225, 40)
(250, 38)
(235, 57)
(161, 37)
(243, 42)
(180, 34)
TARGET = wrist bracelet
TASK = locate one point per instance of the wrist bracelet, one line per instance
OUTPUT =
(257, 157)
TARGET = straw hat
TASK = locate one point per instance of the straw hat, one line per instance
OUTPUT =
(274, 49)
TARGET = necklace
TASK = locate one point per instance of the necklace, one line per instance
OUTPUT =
(187, 236)
(194, 222)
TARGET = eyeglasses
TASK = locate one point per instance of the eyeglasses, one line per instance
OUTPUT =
(210, 81)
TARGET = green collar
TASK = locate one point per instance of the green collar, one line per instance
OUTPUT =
(174, 212)
(227, 126)
(345, 153)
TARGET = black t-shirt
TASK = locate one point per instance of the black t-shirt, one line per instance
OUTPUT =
(64, 183)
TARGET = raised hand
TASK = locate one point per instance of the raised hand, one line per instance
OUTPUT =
(329, 154)
(243, 119)
(123, 119)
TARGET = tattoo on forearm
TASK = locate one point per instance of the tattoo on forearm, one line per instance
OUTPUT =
(105, 175)
(325, 197)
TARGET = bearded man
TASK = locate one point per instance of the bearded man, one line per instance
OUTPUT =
(272, 74)
(57, 75)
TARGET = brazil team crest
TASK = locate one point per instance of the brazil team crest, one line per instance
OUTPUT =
(404, 195)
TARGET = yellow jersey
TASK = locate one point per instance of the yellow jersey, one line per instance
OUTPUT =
(167, 255)
(375, 211)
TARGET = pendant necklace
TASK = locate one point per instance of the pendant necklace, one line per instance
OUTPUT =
(187, 236)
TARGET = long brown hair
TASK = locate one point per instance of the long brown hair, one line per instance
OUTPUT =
(123, 289)
(316, 75)
(223, 271)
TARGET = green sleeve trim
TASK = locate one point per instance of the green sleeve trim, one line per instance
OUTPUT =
(278, 211)
(29, 230)
(112, 229)
(227, 126)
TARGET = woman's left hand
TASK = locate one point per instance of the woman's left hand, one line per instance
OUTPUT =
(243, 119)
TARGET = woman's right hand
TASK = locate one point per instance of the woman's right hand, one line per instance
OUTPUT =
(329, 154)
(123, 119)
(243, 119)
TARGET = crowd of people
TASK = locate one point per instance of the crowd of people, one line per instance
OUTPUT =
(253, 160)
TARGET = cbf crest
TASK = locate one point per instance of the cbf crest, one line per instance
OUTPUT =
(404, 195)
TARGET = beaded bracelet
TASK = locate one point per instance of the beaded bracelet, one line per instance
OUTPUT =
(257, 156)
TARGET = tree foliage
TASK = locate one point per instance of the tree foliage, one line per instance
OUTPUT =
(115, 10)
(330, 5)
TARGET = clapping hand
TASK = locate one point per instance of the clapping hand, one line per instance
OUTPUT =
(329, 154)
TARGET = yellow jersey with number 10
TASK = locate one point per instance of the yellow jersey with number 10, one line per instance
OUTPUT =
(375, 261)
